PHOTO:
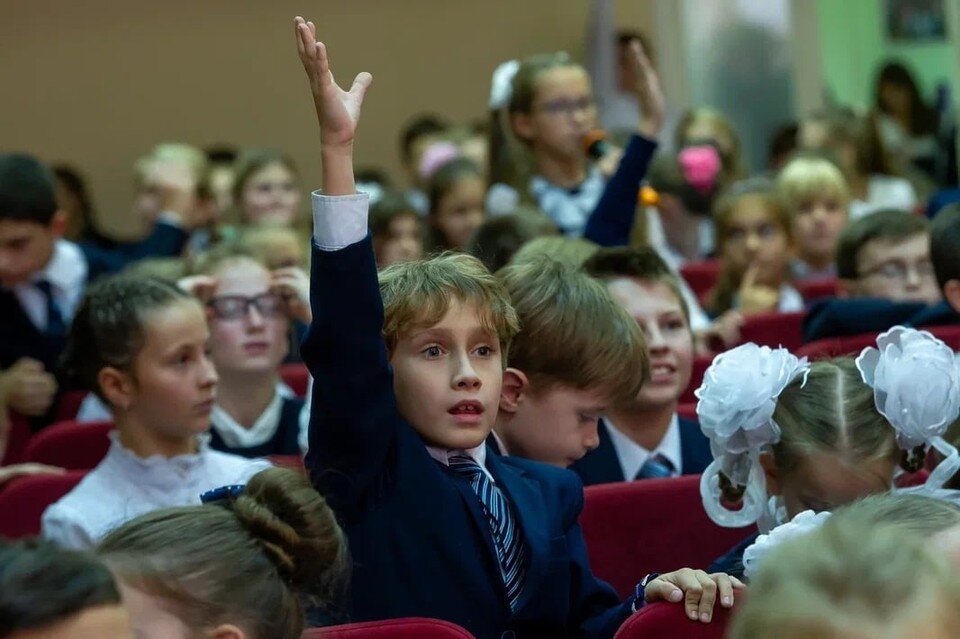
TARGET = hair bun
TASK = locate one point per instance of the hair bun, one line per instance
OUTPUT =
(296, 528)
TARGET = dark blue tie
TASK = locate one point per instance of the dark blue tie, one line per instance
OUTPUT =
(511, 552)
(56, 326)
(656, 467)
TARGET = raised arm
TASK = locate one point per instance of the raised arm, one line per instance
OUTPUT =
(353, 414)
(612, 219)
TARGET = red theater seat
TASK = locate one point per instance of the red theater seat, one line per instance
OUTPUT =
(24, 499)
(665, 619)
(688, 411)
(654, 525)
(297, 377)
(69, 405)
(701, 276)
(71, 445)
(700, 365)
(774, 329)
(839, 346)
(17, 439)
(814, 290)
(407, 628)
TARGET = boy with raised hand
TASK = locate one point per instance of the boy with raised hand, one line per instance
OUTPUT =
(407, 389)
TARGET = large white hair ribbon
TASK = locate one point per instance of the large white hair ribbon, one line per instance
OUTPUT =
(736, 403)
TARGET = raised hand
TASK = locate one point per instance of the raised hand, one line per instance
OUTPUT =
(337, 110)
(647, 88)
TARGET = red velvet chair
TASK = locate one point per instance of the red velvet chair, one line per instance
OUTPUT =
(17, 439)
(24, 499)
(701, 276)
(655, 525)
(406, 628)
(700, 365)
(71, 445)
(688, 411)
(69, 405)
(774, 329)
(664, 619)
(839, 346)
(814, 290)
(949, 334)
(297, 377)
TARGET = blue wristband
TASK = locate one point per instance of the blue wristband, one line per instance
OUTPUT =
(640, 590)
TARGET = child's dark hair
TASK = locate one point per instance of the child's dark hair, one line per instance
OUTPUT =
(26, 189)
(945, 244)
(498, 239)
(108, 329)
(417, 127)
(889, 224)
(643, 264)
(74, 182)
(390, 206)
(221, 155)
(923, 118)
(254, 560)
(42, 584)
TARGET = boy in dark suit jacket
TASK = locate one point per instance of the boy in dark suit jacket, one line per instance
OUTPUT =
(643, 437)
(408, 375)
(42, 278)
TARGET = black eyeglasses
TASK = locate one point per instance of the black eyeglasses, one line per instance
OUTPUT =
(232, 307)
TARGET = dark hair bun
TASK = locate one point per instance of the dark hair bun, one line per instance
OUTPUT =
(296, 528)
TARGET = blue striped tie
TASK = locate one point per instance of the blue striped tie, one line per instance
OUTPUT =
(511, 552)
(656, 467)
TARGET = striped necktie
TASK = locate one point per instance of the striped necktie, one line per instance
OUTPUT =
(656, 467)
(511, 553)
(56, 326)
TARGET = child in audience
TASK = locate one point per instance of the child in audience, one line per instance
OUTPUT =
(499, 238)
(245, 564)
(47, 593)
(420, 132)
(455, 191)
(821, 435)
(643, 437)
(141, 345)
(266, 189)
(754, 242)
(945, 255)
(577, 353)
(708, 126)
(396, 230)
(816, 195)
(249, 310)
(549, 104)
(886, 277)
(836, 582)
(42, 278)
(408, 382)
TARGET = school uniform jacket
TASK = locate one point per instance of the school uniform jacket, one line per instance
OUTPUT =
(419, 540)
(602, 466)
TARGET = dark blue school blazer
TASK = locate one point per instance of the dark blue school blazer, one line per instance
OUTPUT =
(601, 465)
(419, 540)
(837, 317)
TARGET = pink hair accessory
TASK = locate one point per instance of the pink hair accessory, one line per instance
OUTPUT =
(436, 155)
(700, 166)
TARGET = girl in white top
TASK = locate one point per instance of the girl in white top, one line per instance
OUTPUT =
(141, 344)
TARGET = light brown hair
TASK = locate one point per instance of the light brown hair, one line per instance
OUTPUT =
(806, 178)
(252, 560)
(418, 294)
(573, 332)
(573, 251)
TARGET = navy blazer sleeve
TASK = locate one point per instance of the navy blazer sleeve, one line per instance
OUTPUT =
(353, 420)
(853, 316)
(612, 219)
(166, 240)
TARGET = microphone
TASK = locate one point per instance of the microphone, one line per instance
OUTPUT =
(595, 144)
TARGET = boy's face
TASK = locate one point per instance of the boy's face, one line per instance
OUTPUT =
(660, 315)
(817, 224)
(898, 270)
(25, 248)
(447, 378)
(555, 426)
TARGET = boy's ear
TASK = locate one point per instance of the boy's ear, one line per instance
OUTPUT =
(951, 292)
(117, 387)
(770, 472)
(512, 391)
(522, 124)
(58, 223)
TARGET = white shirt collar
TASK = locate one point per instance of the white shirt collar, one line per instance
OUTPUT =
(477, 454)
(66, 271)
(235, 435)
(632, 456)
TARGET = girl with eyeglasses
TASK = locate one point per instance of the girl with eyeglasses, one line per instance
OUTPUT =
(142, 346)
(249, 311)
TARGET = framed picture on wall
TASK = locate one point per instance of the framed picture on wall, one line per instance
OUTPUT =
(916, 20)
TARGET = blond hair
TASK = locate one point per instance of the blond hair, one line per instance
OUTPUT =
(805, 179)
(271, 244)
(838, 581)
(419, 293)
(573, 332)
(573, 251)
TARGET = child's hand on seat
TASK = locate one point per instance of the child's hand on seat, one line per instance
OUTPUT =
(293, 285)
(696, 589)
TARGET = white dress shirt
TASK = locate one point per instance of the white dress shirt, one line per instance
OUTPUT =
(67, 272)
(632, 456)
(124, 485)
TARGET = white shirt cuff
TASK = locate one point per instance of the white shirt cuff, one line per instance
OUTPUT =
(171, 218)
(339, 220)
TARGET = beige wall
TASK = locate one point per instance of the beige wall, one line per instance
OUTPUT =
(97, 83)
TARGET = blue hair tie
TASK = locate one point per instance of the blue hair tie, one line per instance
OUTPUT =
(223, 493)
